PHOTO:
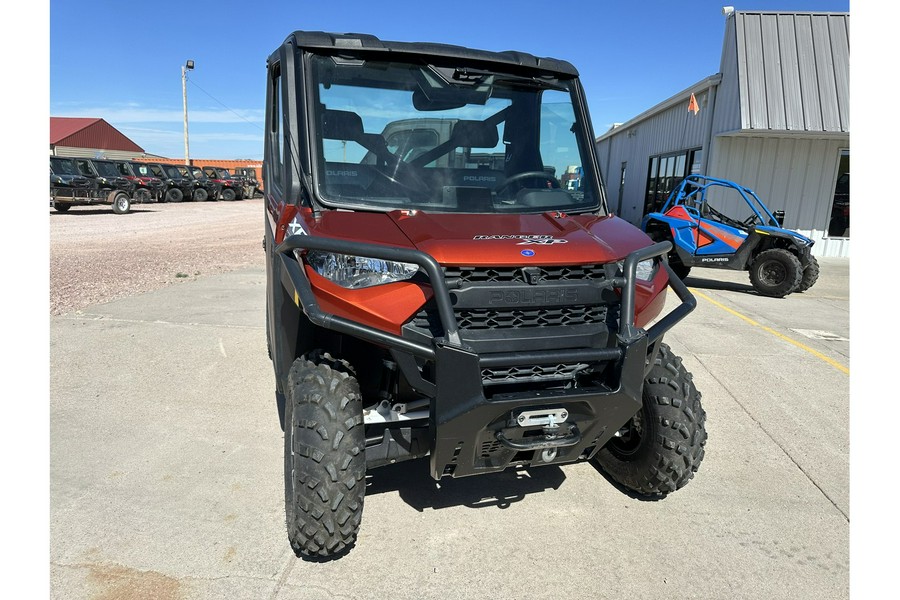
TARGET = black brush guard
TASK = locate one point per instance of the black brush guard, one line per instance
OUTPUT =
(469, 432)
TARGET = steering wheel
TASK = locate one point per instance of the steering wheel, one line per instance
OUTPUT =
(526, 175)
(413, 183)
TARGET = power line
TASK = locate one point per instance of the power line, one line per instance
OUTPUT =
(257, 125)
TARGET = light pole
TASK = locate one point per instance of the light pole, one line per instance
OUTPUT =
(188, 66)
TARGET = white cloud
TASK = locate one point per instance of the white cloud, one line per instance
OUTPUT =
(134, 113)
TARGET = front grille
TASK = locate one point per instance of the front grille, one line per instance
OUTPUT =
(539, 317)
(525, 374)
(460, 276)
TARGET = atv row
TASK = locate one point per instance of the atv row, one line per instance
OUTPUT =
(779, 260)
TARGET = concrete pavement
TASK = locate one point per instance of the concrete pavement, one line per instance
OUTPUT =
(166, 469)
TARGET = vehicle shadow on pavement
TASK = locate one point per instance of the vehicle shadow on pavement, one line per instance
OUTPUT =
(713, 284)
(500, 490)
(624, 489)
(98, 211)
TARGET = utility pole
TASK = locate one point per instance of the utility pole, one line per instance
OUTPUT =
(188, 66)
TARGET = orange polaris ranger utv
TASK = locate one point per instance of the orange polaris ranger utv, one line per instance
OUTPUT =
(445, 280)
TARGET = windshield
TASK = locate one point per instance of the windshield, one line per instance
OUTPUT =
(106, 169)
(173, 173)
(84, 167)
(63, 166)
(124, 169)
(447, 139)
(197, 173)
(142, 170)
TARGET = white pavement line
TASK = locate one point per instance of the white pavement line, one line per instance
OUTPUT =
(222, 348)
(771, 437)
(789, 340)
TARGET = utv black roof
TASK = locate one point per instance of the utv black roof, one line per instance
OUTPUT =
(361, 42)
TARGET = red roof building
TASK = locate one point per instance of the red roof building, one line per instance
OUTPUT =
(89, 133)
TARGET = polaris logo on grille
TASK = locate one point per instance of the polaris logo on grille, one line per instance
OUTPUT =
(342, 173)
(481, 178)
(529, 297)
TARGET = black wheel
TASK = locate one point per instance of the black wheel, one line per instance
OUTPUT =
(775, 272)
(200, 195)
(174, 195)
(810, 275)
(61, 207)
(121, 203)
(142, 195)
(324, 457)
(662, 446)
(227, 194)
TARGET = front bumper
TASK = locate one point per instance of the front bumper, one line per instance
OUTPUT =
(470, 431)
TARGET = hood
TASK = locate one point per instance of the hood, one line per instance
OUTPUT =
(491, 239)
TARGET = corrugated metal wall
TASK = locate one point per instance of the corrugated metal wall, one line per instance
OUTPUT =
(728, 98)
(668, 131)
(96, 153)
(794, 71)
(790, 173)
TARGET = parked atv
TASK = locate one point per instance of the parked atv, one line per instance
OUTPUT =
(779, 260)
(147, 187)
(212, 188)
(230, 188)
(178, 187)
(249, 175)
(105, 175)
(420, 306)
(68, 188)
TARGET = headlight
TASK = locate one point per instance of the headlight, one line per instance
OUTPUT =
(645, 270)
(358, 271)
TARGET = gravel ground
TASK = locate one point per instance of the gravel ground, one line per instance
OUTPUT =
(97, 256)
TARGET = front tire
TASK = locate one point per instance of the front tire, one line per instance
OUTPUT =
(227, 194)
(174, 195)
(663, 445)
(324, 457)
(61, 207)
(775, 272)
(121, 203)
(200, 195)
(810, 275)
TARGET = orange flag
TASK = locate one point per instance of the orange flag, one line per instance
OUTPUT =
(693, 106)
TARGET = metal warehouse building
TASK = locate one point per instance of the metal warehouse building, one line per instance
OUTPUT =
(774, 119)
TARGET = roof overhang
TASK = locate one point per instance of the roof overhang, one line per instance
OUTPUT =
(792, 133)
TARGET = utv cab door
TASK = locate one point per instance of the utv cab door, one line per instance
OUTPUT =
(715, 237)
(685, 227)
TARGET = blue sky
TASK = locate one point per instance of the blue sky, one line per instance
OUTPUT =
(631, 55)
